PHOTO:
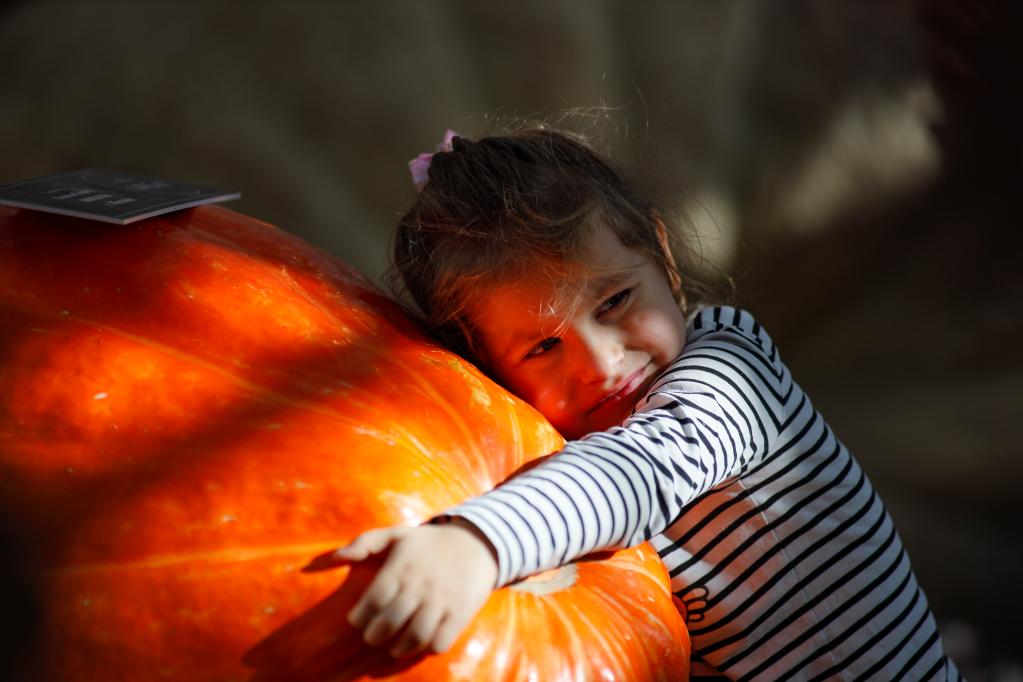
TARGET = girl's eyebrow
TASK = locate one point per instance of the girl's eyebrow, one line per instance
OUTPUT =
(596, 289)
(599, 286)
(520, 338)
(527, 335)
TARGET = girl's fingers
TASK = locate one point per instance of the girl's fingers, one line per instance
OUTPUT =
(450, 628)
(383, 625)
(370, 542)
(421, 631)
(377, 597)
(324, 562)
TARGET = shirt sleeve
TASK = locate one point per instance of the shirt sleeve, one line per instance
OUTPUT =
(713, 413)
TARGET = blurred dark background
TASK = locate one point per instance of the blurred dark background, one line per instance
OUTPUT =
(854, 165)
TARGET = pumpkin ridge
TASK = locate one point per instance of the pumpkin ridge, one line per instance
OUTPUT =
(576, 651)
(284, 276)
(306, 251)
(233, 554)
(596, 632)
(427, 456)
(612, 646)
(262, 391)
(516, 433)
(430, 392)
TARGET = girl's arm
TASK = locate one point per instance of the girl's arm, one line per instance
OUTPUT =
(713, 414)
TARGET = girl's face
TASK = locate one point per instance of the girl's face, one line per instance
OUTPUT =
(584, 365)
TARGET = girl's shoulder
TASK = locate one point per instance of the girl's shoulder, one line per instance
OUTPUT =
(727, 324)
(725, 348)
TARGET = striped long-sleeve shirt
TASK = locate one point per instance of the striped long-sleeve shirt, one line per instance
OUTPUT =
(779, 547)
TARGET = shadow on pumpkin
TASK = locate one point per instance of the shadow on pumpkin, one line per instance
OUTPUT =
(19, 600)
(319, 645)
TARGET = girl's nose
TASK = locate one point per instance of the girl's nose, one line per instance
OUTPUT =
(600, 355)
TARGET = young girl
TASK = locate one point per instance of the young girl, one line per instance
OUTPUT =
(530, 256)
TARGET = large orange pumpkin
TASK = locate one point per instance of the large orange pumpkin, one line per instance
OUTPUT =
(194, 406)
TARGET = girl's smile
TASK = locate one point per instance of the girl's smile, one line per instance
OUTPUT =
(584, 363)
(625, 392)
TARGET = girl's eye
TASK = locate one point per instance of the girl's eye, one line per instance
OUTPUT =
(542, 347)
(615, 301)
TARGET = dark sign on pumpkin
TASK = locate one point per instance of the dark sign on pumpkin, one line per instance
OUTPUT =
(108, 196)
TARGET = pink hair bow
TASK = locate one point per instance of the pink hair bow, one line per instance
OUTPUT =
(419, 167)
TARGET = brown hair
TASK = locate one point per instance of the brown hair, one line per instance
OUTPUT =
(517, 205)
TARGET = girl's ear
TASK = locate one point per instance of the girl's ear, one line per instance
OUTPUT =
(674, 278)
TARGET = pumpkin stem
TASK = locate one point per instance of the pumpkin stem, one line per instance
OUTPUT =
(555, 580)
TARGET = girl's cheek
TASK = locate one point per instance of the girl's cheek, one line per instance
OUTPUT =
(671, 330)
(645, 323)
(550, 400)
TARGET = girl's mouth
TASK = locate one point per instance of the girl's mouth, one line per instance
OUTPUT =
(630, 390)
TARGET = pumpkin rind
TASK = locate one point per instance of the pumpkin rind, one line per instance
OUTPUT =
(195, 405)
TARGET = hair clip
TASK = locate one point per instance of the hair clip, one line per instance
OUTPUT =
(419, 167)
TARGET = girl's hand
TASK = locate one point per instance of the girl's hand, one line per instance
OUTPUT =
(433, 581)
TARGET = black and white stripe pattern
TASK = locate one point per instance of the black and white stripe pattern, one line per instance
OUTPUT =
(776, 542)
